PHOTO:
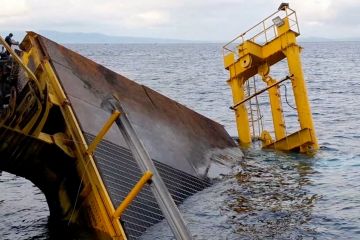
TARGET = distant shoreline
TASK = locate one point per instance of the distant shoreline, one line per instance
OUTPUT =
(98, 38)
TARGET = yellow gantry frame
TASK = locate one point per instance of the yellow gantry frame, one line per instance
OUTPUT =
(250, 59)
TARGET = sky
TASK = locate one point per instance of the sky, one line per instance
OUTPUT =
(205, 20)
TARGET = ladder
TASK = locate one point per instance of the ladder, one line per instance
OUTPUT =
(254, 111)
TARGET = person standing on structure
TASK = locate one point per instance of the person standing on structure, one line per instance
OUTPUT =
(10, 42)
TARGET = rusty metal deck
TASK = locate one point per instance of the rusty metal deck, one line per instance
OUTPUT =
(172, 133)
(178, 139)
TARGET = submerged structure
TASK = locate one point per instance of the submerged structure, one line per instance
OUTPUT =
(117, 156)
(107, 152)
(253, 53)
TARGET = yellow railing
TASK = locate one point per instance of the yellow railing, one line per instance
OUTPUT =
(30, 74)
(146, 178)
(263, 32)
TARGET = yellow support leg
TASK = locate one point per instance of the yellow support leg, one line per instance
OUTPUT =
(132, 194)
(276, 108)
(300, 93)
(242, 120)
(115, 115)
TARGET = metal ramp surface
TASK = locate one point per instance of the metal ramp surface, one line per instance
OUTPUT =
(120, 173)
(172, 133)
(177, 138)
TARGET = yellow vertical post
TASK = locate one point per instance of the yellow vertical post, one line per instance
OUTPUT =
(242, 120)
(276, 108)
(300, 93)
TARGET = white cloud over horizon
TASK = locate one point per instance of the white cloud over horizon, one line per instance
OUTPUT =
(210, 20)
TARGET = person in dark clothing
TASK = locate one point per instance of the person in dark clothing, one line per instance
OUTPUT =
(10, 42)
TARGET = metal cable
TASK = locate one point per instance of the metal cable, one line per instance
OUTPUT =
(286, 99)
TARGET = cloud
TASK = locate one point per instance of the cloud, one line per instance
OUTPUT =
(185, 19)
(147, 19)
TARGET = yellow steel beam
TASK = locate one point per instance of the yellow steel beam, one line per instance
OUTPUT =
(242, 120)
(18, 60)
(114, 116)
(272, 85)
(300, 94)
(298, 139)
(276, 108)
(98, 201)
(133, 193)
(45, 137)
(270, 53)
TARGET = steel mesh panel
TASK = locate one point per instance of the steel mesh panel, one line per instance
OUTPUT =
(120, 173)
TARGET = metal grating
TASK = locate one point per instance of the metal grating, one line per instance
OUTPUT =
(120, 173)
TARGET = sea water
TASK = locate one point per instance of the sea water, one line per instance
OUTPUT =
(273, 195)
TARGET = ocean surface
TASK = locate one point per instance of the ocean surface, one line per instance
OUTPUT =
(272, 195)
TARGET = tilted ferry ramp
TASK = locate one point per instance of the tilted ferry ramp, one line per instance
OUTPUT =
(54, 104)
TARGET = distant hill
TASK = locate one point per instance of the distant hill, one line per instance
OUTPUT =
(321, 39)
(79, 37)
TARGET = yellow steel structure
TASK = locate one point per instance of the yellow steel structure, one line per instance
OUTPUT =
(253, 53)
(276, 108)
(115, 115)
(133, 193)
(95, 198)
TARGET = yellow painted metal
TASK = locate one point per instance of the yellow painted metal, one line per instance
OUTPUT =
(252, 56)
(53, 99)
(276, 108)
(45, 93)
(18, 59)
(293, 141)
(30, 74)
(45, 137)
(242, 119)
(59, 139)
(300, 94)
(259, 92)
(133, 193)
(229, 60)
(114, 116)
(34, 97)
(97, 201)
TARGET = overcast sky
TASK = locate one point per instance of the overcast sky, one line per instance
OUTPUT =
(209, 20)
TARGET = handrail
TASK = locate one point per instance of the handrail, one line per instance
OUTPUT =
(260, 92)
(146, 178)
(31, 75)
(264, 28)
(114, 116)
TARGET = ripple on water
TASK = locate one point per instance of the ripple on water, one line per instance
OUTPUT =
(274, 196)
